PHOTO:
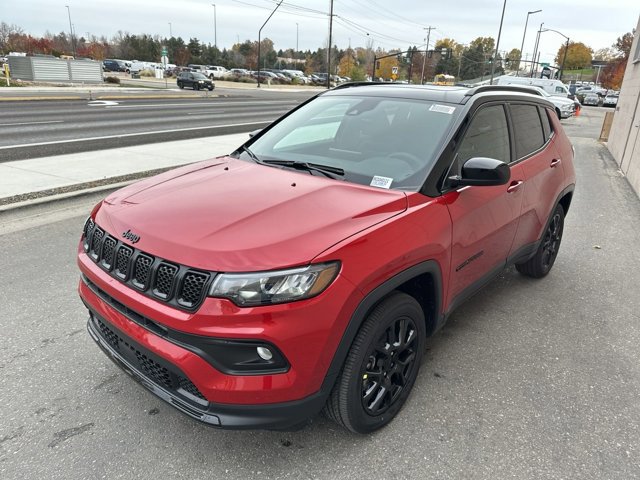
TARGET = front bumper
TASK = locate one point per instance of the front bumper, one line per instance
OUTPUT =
(173, 386)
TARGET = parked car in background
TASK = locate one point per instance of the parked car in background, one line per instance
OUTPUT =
(264, 76)
(552, 87)
(564, 107)
(240, 72)
(592, 98)
(194, 80)
(359, 221)
(111, 65)
(216, 71)
(610, 100)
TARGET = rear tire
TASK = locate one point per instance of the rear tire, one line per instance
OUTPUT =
(540, 264)
(180, 85)
(381, 366)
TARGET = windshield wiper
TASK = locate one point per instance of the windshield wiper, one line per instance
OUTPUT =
(326, 170)
(253, 156)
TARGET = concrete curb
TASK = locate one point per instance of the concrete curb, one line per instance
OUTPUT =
(75, 191)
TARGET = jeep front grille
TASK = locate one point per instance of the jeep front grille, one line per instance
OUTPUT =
(178, 285)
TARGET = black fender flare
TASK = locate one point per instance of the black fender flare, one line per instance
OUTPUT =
(370, 300)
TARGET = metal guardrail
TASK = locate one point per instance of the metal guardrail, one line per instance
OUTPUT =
(45, 69)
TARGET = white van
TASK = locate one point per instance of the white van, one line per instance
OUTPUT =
(552, 87)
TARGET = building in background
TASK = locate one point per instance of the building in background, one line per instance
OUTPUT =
(624, 138)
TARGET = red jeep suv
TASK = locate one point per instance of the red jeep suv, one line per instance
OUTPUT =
(304, 271)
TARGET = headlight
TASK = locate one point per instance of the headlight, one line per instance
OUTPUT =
(267, 288)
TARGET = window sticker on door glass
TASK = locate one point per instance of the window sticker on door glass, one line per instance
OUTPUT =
(442, 109)
(382, 182)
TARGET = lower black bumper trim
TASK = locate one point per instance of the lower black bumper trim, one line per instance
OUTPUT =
(278, 416)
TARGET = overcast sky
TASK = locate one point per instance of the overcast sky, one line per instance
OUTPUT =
(391, 24)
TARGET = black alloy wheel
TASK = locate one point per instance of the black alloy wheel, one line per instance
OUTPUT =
(180, 85)
(381, 366)
(551, 241)
(389, 365)
(540, 264)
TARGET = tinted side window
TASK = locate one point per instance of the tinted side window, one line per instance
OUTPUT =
(546, 124)
(528, 129)
(487, 136)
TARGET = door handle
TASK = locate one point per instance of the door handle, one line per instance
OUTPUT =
(555, 162)
(515, 185)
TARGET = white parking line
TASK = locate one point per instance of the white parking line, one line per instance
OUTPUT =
(208, 104)
(29, 123)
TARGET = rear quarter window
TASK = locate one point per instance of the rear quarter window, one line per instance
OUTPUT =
(546, 124)
(529, 135)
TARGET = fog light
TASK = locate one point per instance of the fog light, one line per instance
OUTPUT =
(264, 353)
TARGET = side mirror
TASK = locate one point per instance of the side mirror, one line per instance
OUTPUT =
(254, 133)
(482, 171)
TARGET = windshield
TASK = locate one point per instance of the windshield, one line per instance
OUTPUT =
(199, 76)
(385, 142)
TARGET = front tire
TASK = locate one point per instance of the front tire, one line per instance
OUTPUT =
(381, 366)
(196, 86)
(540, 264)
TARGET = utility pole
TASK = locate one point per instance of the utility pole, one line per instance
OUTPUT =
(493, 60)
(329, 49)
(426, 51)
(215, 27)
(296, 37)
(170, 32)
(73, 44)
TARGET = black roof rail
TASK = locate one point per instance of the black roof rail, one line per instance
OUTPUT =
(496, 88)
(360, 84)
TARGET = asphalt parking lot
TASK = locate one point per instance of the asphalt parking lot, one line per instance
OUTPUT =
(530, 379)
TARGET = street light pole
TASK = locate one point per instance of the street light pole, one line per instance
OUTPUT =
(170, 32)
(493, 60)
(566, 48)
(535, 51)
(296, 37)
(215, 27)
(524, 35)
(73, 45)
(260, 32)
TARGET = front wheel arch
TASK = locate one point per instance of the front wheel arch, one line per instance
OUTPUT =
(407, 281)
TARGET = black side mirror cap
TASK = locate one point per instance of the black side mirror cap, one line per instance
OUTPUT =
(254, 133)
(482, 171)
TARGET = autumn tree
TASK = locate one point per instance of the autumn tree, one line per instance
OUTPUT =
(613, 73)
(605, 54)
(349, 66)
(578, 56)
(623, 44)
(513, 59)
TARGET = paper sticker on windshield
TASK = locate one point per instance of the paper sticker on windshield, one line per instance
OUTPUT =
(442, 109)
(382, 182)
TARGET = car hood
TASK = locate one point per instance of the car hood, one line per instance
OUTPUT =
(230, 215)
(560, 100)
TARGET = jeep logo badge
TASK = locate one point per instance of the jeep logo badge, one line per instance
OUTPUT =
(129, 235)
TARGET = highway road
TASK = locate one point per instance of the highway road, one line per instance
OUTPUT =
(35, 128)
(530, 379)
